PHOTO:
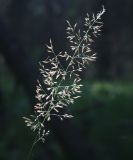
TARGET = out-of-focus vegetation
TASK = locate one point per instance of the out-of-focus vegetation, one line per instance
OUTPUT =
(102, 127)
(105, 115)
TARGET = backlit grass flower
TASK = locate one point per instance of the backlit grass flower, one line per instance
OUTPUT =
(57, 94)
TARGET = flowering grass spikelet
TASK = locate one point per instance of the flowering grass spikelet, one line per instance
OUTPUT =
(57, 95)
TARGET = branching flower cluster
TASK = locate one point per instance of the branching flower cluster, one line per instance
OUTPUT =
(57, 94)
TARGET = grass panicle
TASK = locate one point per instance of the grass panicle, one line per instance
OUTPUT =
(57, 94)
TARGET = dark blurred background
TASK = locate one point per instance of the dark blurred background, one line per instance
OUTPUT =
(102, 127)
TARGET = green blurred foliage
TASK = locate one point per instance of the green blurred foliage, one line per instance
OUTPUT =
(105, 115)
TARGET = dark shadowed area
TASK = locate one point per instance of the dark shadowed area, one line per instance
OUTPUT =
(102, 127)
